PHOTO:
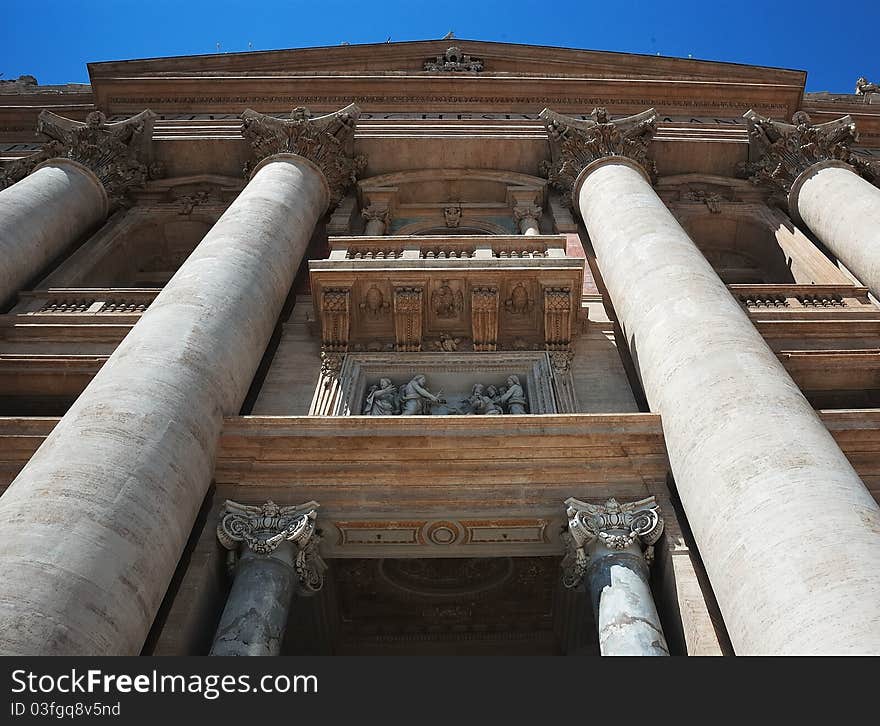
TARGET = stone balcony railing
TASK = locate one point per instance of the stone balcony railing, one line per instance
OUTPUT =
(789, 301)
(90, 301)
(438, 247)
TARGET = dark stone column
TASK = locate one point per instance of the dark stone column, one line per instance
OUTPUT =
(605, 554)
(280, 558)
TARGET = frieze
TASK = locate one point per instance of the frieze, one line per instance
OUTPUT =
(411, 100)
(442, 533)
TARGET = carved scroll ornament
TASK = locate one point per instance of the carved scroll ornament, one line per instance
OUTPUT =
(115, 152)
(615, 526)
(263, 528)
(575, 143)
(326, 141)
(780, 152)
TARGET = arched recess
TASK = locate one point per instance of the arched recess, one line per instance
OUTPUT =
(430, 226)
(484, 199)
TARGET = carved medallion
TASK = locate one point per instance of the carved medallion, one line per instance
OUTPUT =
(374, 304)
(446, 302)
(519, 302)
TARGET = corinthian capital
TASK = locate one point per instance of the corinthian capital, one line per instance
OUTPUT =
(780, 152)
(264, 528)
(575, 143)
(326, 141)
(612, 526)
(116, 152)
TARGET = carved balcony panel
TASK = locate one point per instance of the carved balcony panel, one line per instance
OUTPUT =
(425, 293)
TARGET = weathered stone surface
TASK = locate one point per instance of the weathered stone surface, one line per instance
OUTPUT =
(843, 210)
(745, 447)
(41, 215)
(126, 469)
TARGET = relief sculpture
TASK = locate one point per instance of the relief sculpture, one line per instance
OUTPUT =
(416, 399)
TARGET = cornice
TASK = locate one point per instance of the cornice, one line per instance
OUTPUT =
(410, 57)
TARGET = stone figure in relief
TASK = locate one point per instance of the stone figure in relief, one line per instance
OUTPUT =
(382, 399)
(446, 302)
(514, 396)
(482, 404)
(417, 399)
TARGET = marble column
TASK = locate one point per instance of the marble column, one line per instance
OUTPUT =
(280, 557)
(609, 549)
(54, 197)
(813, 169)
(527, 218)
(789, 534)
(92, 529)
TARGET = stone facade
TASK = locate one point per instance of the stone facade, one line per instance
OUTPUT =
(430, 348)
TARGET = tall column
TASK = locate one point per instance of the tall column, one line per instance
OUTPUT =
(280, 556)
(605, 550)
(92, 529)
(52, 198)
(813, 169)
(788, 532)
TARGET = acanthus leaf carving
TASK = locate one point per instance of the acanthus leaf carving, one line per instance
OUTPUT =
(117, 153)
(576, 143)
(612, 525)
(263, 528)
(780, 152)
(335, 318)
(327, 141)
(407, 303)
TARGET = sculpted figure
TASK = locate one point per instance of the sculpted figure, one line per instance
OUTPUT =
(514, 396)
(417, 399)
(864, 87)
(481, 402)
(382, 399)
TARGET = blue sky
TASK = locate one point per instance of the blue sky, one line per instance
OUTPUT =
(54, 39)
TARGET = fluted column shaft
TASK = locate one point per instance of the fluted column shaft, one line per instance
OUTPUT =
(843, 211)
(92, 528)
(41, 215)
(788, 532)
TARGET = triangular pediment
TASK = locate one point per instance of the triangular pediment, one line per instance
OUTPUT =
(471, 57)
